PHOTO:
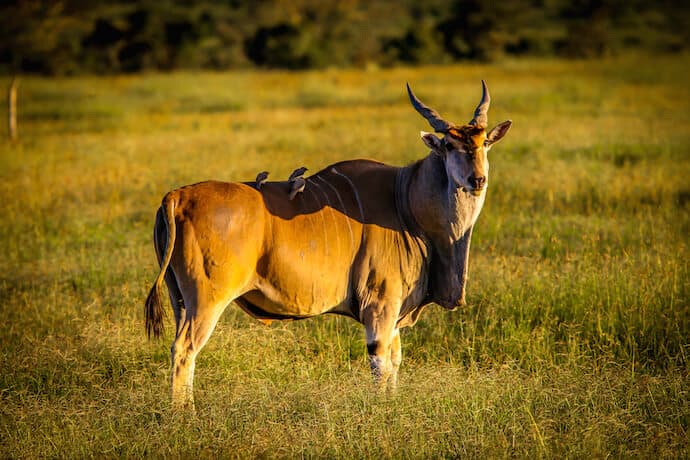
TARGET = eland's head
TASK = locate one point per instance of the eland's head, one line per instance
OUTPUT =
(463, 148)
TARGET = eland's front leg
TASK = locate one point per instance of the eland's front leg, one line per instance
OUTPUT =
(396, 359)
(379, 324)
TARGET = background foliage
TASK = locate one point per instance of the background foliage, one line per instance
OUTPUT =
(76, 36)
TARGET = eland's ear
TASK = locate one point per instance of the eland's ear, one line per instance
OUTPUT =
(431, 141)
(497, 133)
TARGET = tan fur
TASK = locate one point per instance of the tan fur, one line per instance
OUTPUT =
(363, 239)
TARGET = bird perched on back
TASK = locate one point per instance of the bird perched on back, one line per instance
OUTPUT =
(261, 178)
(297, 173)
(297, 186)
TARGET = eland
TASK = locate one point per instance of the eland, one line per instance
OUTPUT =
(363, 239)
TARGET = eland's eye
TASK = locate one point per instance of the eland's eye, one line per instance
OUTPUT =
(449, 146)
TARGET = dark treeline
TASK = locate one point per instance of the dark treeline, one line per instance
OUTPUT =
(97, 36)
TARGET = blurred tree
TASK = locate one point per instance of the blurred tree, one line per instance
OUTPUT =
(70, 36)
(588, 24)
(280, 45)
(38, 36)
(418, 38)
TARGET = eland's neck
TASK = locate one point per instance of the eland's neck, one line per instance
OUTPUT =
(446, 214)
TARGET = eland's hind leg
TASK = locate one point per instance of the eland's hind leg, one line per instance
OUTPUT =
(193, 333)
(217, 239)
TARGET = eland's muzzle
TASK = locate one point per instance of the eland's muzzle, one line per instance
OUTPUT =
(477, 182)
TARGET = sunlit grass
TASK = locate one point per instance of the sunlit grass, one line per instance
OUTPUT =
(575, 339)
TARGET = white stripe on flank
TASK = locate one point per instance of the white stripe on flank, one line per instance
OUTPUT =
(354, 189)
(315, 267)
(323, 219)
(347, 219)
(311, 221)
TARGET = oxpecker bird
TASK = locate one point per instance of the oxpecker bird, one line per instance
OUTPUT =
(261, 178)
(299, 172)
(298, 185)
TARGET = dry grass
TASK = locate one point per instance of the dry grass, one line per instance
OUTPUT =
(575, 340)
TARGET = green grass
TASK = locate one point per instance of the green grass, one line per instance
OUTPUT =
(576, 337)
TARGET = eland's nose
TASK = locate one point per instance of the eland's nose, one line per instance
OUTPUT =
(477, 182)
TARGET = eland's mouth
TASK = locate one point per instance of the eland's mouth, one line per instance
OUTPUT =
(474, 191)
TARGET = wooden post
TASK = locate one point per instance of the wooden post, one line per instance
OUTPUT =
(12, 109)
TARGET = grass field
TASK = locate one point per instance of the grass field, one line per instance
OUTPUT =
(575, 342)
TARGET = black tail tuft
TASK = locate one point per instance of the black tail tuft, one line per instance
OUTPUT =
(154, 313)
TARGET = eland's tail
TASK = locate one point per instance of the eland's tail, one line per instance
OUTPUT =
(153, 309)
